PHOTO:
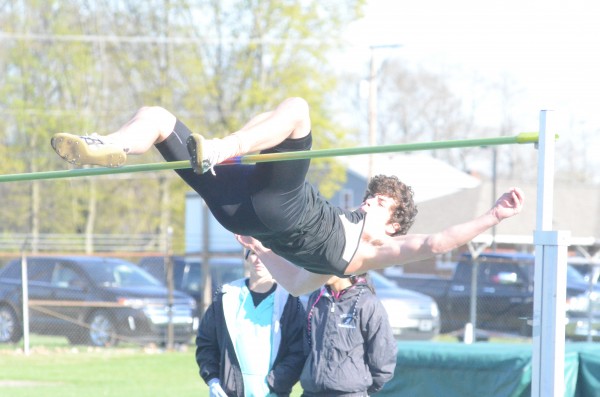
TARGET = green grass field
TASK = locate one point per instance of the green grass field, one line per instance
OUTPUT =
(56, 369)
(59, 370)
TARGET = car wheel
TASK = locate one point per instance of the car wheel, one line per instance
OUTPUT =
(10, 328)
(102, 331)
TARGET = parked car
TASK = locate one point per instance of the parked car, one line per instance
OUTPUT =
(504, 295)
(588, 267)
(187, 272)
(412, 315)
(92, 300)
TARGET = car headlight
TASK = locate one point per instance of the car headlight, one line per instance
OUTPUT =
(193, 304)
(579, 303)
(435, 311)
(134, 303)
(395, 308)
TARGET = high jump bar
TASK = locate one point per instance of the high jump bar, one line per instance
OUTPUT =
(524, 137)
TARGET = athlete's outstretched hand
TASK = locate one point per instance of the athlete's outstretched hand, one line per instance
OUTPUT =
(509, 204)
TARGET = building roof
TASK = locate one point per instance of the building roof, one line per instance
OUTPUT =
(576, 209)
(447, 196)
(429, 177)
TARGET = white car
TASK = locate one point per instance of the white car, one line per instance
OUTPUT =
(412, 315)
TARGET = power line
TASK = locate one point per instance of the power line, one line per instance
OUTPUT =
(146, 39)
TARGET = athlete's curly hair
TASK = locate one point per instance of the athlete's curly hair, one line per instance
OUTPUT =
(406, 210)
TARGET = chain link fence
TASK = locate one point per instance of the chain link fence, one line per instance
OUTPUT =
(124, 299)
(106, 301)
(490, 295)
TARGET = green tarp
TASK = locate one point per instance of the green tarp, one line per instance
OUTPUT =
(588, 380)
(430, 369)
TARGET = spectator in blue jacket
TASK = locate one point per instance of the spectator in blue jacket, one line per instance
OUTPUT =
(250, 340)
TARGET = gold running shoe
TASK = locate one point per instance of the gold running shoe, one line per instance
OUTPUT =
(204, 155)
(87, 150)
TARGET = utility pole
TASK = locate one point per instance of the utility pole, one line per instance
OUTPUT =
(170, 287)
(373, 101)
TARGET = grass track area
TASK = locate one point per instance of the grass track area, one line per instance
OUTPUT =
(81, 371)
(56, 369)
(113, 372)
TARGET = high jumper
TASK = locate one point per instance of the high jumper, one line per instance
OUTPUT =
(272, 204)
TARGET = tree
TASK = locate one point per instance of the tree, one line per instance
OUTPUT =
(418, 106)
(31, 96)
(214, 63)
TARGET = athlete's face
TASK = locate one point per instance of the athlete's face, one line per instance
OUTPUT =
(379, 209)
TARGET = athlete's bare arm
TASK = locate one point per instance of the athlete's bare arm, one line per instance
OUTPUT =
(296, 280)
(414, 247)
(391, 251)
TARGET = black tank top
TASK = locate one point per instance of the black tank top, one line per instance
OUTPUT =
(318, 243)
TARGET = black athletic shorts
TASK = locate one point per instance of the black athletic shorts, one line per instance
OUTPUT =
(248, 199)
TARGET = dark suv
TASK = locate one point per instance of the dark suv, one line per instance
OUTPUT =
(187, 272)
(92, 300)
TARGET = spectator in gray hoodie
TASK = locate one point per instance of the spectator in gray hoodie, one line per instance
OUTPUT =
(350, 344)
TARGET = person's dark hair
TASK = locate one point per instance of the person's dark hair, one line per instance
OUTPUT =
(405, 212)
(363, 278)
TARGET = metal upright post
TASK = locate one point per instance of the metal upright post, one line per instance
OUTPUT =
(372, 110)
(25, 292)
(550, 278)
(171, 287)
(373, 102)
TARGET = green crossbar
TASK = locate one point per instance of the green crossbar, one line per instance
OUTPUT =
(525, 137)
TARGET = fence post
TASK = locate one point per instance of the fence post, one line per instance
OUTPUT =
(25, 295)
(170, 286)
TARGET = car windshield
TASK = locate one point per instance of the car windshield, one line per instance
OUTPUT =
(380, 282)
(121, 274)
(220, 272)
(574, 276)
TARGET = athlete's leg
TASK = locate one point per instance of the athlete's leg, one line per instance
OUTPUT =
(278, 194)
(150, 125)
(227, 194)
(290, 119)
(256, 200)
